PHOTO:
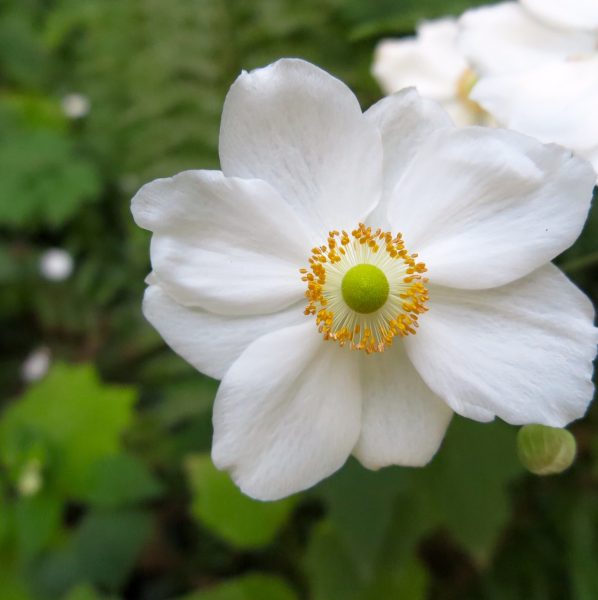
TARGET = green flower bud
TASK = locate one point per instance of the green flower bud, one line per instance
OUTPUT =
(545, 450)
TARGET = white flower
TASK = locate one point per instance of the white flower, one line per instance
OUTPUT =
(433, 63)
(36, 365)
(75, 106)
(574, 14)
(497, 329)
(56, 264)
(540, 80)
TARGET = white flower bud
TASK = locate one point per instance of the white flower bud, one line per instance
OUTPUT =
(75, 106)
(56, 264)
(36, 365)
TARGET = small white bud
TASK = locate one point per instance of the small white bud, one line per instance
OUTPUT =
(56, 264)
(36, 365)
(75, 106)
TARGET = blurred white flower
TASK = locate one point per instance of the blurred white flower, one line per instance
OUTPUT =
(75, 106)
(31, 480)
(573, 14)
(56, 264)
(433, 63)
(540, 80)
(327, 335)
(36, 365)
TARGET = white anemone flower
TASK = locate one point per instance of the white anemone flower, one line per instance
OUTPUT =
(432, 62)
(354, 278)
(534, 78)
(574, 14)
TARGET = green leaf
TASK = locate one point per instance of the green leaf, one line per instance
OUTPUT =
(220, 506)
(37, 520)
(330, 568)
(249, 587)
(334, 573)
(120, 480)
(80, 418)
(107, 545)
(12, 586)
(465, 489)
(5, 516)
(360, 506)
(86, 592)
(45, 179)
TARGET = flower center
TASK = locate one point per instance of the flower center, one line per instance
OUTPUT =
(364, 289)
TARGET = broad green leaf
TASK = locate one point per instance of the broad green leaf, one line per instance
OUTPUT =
(37, 520)
(80, 418)
(120, 480)
(220, 506)
(360, 505)
(107, 545)
(249, 587)
(465, 488)
(329, 567)
(334, 573)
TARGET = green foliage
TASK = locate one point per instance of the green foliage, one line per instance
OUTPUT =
(465, 488)
(120, 480)
(108, 543)
(45, 179)
(219, 505)
(249, 587)
(106, 487)
(71, 415)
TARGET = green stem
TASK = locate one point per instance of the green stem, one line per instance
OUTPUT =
(577, 264)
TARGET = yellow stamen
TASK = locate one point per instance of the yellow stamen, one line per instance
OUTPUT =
(407, 295)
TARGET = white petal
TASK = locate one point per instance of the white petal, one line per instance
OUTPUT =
(555, 103)
(209, 342)
(303, 131)
(484, 207)
(574, 14)
(522, 352)
(503, 38)
(287, 413)
(431, 62)
(228, 245)
(403, 421)
(405, 121)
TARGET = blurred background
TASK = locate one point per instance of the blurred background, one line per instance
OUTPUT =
(106, 486)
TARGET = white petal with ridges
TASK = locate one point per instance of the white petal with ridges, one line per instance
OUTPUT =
(503, 38)
(554, 103)
(484, 207)
(303, 131)
(209, 342)
(522, 352)
(403, 420)
(405, 121)
(287, 413)
(228, 245)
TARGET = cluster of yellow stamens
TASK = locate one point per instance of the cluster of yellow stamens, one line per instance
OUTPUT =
(395, 309)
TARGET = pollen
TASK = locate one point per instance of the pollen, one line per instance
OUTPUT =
(364, 289)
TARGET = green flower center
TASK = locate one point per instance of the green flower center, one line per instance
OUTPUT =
(365, 288)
